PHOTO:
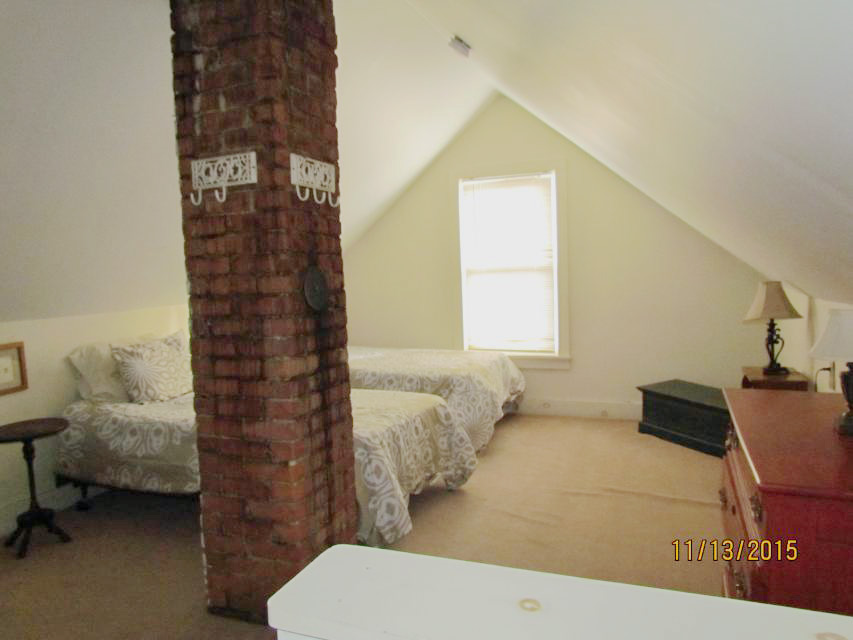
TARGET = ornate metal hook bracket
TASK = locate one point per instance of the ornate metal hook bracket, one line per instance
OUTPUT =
(222, 172)
(315, 177)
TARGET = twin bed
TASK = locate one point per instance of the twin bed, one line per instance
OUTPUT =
(418, 415)
(478, 386)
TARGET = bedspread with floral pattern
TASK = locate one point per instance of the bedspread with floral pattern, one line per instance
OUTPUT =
(146, 447)
(402, 441)
(475, 384)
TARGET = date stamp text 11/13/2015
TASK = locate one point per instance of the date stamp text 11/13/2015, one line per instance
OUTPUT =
(737, 550)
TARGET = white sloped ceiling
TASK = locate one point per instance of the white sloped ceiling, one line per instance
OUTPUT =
(402, 96)
(737, 117)
(90, 215)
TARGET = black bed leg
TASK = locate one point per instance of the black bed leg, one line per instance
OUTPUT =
(83, 503)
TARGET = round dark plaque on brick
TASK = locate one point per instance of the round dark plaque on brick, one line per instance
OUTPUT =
(315, 289)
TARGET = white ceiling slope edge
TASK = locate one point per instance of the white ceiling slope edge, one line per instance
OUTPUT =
(403, 94)
(736, 117)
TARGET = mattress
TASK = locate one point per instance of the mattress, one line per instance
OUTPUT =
(401, 441)
(146, 447)
(475, 384)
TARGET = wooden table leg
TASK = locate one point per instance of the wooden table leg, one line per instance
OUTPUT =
(36, 515)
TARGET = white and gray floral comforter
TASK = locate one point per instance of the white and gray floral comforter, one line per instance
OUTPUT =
(402, 441)
(147, 447)
(475, 384)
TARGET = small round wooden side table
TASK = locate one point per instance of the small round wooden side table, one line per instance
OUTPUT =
(26, 432)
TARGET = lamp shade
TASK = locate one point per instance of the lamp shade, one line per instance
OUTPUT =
(771, 303)
(836, 341)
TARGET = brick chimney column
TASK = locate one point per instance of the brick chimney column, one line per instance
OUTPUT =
(270, 375)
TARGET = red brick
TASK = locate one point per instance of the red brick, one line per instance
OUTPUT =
(286, 408)
(290, 490)
(272, 550)
(284, 451)
(277, 430)
(276, 510)
(267, 471)
(271, 378)
(286, 368)
(223, 544)
(222, 505)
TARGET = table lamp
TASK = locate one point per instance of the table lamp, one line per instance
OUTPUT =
(772, 304)
(836, 343)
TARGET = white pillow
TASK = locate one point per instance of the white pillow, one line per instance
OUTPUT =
(177, 340)
(96, 372)
(155, 371)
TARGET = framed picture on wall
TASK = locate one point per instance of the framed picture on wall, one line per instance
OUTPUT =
(13, 368)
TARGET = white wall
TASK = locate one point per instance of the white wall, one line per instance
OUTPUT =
(87, 159)
(711, 108)
(52, 387)
(646, 298)
(820, 314)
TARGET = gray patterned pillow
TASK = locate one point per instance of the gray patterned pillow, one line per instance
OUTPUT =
(154, 371)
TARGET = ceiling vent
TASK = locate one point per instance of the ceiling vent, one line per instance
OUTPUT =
(460, 46)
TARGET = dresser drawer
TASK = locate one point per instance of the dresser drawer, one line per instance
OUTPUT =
(742, 577)
(745, 490)
(797, 525)
(735, 583)
(732, 522)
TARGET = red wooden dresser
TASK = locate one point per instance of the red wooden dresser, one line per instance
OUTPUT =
(788, 481)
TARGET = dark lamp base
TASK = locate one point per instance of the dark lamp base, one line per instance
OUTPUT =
(774, 344)
(845, 424)
(776, 370)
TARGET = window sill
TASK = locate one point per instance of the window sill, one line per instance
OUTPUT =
(538, 361)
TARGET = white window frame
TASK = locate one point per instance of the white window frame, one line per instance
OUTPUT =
(529, 356)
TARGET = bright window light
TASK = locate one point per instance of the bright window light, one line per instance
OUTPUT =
(508, 232)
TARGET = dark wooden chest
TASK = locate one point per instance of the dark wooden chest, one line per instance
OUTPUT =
(686, 413)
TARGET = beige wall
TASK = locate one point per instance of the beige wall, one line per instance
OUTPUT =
(644, 297)
(91, 212)
(87, 159)
(819, 314)
(52, 387)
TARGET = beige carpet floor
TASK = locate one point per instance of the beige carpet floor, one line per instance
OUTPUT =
(589, 498)
(581, 497)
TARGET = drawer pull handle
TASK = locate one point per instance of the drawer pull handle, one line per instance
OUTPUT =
(731, 439)
(724, 499)
(755, 507)
(740, 584)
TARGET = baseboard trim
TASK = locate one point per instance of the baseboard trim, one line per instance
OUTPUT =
(581, 408)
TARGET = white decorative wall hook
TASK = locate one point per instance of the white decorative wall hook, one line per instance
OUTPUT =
(300, 196)
(315, 176)
(222, 172)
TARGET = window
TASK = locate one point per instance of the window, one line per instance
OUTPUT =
(508, 237)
